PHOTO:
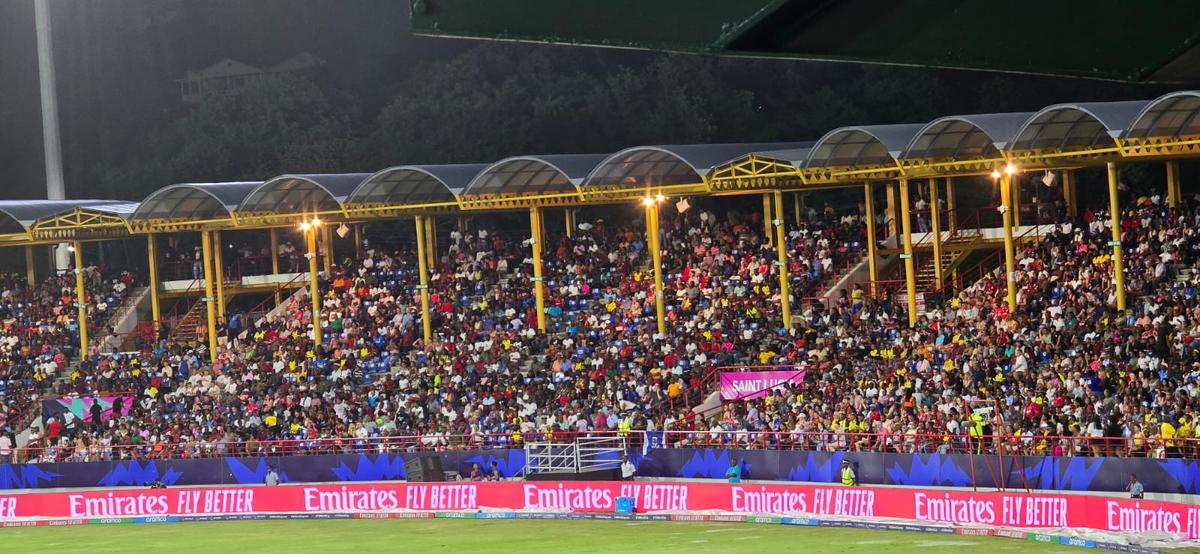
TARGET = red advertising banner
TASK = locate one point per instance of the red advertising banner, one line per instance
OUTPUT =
(1017, 510)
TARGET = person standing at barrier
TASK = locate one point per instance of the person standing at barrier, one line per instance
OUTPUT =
(627, 469)
(272, 478)
(849, 479)
(1135, 488)
(734, 473)
(97, 413)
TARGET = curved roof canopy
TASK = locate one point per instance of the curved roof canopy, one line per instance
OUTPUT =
(195, 200)
(671, 165)
(415, 184)
(1171, 115)
(965, 136)
(289, 194)
(16, 216)
(534, 175)
(864, 145)
(1088, 124)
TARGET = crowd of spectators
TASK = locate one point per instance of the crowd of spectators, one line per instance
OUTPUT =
(1055, 376)
(39, 332)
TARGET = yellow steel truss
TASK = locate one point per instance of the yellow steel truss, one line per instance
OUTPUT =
(751, 174)
(80, 224)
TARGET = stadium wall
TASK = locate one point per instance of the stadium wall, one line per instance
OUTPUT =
(682, 500)
(1173, 476)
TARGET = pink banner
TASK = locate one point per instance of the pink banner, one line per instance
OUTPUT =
(748, 385)
(1015, 510)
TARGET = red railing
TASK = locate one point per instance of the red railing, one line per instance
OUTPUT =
(825, 441)
(994, 260)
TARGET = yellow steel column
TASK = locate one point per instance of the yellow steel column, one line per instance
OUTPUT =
(539, 288)
(211, 310)
(430, 242)
(219, 264)
(910, 274)
(656, 260)
(1114, 209)
(1010, 263)
(431, 234)
(30, 269)
(152, 257)
(81, 299)
(785, 293)
(275, 260)
(935, 220)
(767, 218)
(358, 242)
(1070, 193)
(1014, 185)
(327, 247)
(951, 210)
(314, 285)
(871, 255)
(798, 205)
(1174, 191)
(892, 218)
(569, 217)
(423, 267)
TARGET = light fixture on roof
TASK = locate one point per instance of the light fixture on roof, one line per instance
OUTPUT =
(995, 174)
(1011, 169)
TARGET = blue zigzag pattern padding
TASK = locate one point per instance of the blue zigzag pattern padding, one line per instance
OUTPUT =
(383, 467)
(811, 471)
(1185, 472)
(707, 463)
(24, 476)
(134, 473)
(1052, 474)
(930, 469)
(512, 466)
(246, 476)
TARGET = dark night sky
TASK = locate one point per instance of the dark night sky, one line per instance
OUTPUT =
(118, 61)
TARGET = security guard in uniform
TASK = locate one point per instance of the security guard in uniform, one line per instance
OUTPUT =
(849, 479)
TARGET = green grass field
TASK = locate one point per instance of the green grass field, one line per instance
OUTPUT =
(480, 536)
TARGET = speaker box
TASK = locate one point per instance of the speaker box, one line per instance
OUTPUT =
(424, 469)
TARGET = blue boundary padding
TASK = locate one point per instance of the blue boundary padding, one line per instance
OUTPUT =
(776, 520)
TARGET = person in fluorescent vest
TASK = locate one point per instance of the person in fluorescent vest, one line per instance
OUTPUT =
(624, 426)
(849, 479)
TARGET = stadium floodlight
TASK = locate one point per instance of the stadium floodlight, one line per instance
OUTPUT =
(304, 226)
(316, 222)
(1011, 169)
(647, 201)
(995, 174)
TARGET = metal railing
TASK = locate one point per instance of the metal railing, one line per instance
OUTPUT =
(822, 441)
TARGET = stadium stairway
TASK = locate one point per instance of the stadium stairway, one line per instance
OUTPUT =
(121, 326)
(185, 330)
(955, 249)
